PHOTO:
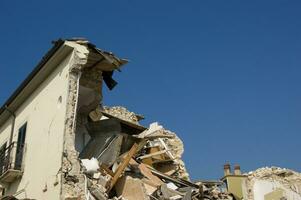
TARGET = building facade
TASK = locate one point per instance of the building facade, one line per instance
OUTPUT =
(42, 125)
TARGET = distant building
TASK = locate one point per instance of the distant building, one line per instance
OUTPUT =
(263, 184)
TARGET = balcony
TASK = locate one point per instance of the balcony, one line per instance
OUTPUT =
(11, 162)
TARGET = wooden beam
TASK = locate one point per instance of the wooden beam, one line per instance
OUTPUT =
(106, 169)
(123, 165)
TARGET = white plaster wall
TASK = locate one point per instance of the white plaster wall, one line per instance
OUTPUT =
(262, 187)
(44, 111)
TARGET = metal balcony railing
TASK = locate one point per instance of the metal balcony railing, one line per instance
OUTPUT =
(11, 159)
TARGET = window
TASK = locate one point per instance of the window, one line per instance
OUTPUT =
(20, 146)
(2, 157)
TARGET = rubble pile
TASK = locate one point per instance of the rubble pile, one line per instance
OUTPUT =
(137, 163)
(284, 178)
(215, 192)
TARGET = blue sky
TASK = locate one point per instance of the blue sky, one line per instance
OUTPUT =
(224, 75)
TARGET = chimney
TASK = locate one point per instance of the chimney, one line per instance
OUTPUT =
(227, 169)
(237, 170)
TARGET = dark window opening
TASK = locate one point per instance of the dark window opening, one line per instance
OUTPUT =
(20, 146)
(3, 192)
(2, 157)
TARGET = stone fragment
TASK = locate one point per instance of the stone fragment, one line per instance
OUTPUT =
(98, 192)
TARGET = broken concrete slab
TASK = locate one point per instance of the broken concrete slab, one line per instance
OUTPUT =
(131, 188)
(122, 113)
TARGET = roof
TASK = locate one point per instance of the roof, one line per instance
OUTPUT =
(58, 46)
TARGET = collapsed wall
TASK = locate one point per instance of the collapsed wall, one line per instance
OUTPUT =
(88, 67)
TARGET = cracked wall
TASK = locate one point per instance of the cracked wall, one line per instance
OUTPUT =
(44, 112)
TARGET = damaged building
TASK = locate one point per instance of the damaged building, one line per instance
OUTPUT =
(58, 140)
(267, 183)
